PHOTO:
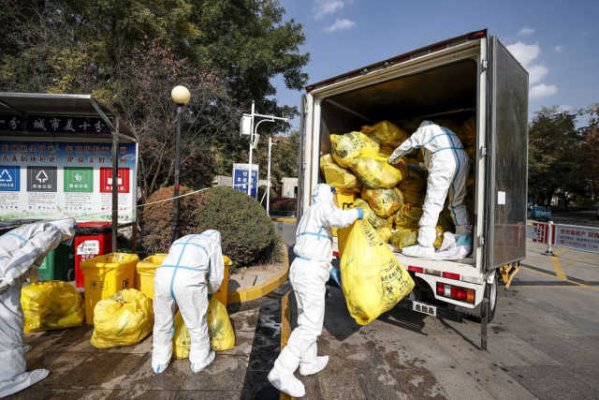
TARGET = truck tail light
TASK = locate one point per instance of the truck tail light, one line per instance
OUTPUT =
(451, 275)
(414, 268)
(455, 292)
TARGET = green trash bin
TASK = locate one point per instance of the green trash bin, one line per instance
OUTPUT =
(57, 264)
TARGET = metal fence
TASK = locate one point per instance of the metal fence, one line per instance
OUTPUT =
(582, 238)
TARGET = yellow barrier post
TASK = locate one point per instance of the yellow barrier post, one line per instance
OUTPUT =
(222, 294)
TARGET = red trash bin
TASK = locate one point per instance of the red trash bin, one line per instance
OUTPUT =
(91, 239)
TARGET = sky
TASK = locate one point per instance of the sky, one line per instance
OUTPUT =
(556, 41)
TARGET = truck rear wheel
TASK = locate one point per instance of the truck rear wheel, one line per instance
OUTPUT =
(491, 289)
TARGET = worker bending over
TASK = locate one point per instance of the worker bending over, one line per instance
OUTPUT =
(22, 251)
(193, 268)
(447, 165)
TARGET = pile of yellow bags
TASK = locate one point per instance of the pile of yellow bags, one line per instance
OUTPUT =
(222, 336)
(51, 305)
(122, 319)
(343, 179)
(391, 196)
(372, 279)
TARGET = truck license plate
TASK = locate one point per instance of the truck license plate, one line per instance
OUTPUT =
(424, 308)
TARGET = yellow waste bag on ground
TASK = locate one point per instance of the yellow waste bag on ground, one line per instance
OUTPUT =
(222, 336)
(386, 133)
(338, 177)
(384, 202)
(123, 319)
(373, 280)
(347, 149)
(376, 173)
(51, 305)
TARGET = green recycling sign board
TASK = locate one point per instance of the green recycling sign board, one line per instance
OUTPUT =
(79, 179)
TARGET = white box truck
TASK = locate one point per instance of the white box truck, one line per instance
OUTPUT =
(473, 75)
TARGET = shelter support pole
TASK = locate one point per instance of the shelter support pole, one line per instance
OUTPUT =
(115, 184)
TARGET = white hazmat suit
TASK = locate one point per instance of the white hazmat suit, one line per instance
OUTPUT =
(447, 165)
(193, 268)
(308, 275)
(22, 249)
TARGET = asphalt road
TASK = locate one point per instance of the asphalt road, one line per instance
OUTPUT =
(543, 343)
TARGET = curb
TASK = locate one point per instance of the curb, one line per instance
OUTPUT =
(251, 293)
(285, 220)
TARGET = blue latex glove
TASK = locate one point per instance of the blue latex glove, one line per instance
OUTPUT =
(336, 276)
(360, 213)
(464, 240)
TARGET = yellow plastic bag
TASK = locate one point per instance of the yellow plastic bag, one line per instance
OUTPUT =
(123, 319)
(375, 173)
(414, 198)
(439, 238)
(338, 177)
(467, 132)
(404, 237)
(347, 149)
(384, 202)
(222, 336)
(376, 221)
(373, 280)
(51, 305)
(407, 216)
(386, 133)
(414, 182)
(385, 233)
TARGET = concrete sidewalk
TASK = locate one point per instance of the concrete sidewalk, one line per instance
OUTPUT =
(80, 371)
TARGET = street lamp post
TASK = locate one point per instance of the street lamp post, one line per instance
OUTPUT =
(180, 95)
(268, 176)
(249, 127)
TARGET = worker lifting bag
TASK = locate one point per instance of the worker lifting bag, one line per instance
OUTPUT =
(373, 280)
(123, 319)
(222, 336)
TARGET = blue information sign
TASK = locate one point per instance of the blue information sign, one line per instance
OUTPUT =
(10, 178)
(241, 178)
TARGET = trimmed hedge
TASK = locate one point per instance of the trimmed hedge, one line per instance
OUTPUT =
(248, 233)
(156, 229)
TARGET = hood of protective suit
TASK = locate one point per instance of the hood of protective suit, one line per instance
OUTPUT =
(322, 194)
(66, 227)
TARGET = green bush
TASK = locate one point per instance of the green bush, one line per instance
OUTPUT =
(247, 232)
(156, 219)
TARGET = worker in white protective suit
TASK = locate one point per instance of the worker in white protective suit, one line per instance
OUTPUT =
(447, 165)
(22, 250)
(308, 275)
(193, 268)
